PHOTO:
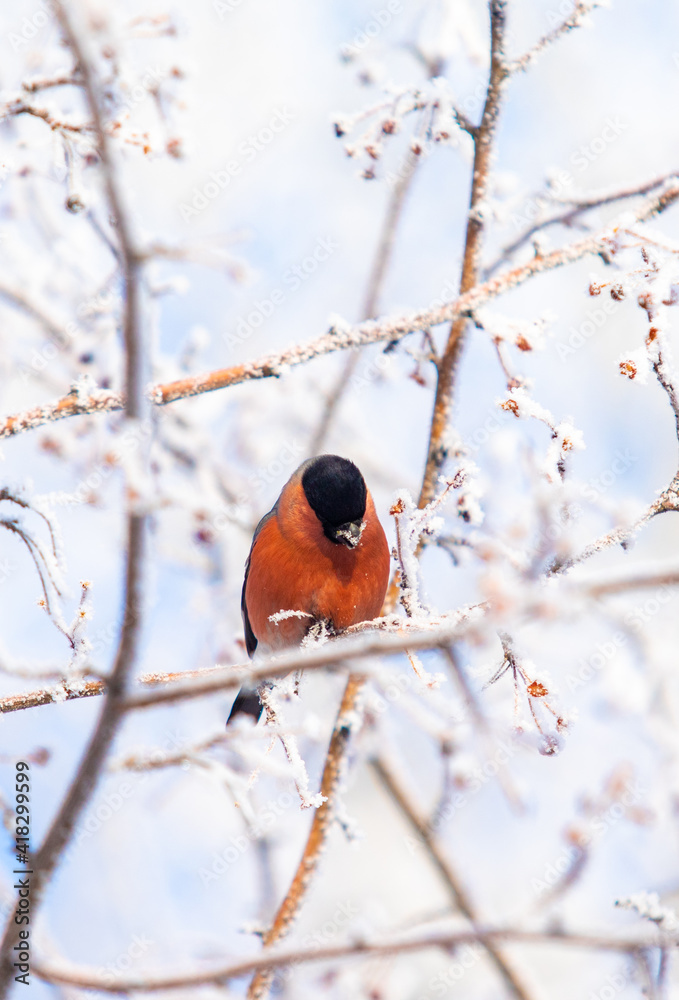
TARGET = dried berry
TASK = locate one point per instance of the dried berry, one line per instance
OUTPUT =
(511, 405)
(645, 301)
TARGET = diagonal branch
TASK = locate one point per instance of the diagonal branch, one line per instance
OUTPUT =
(370, 332)
(378, 273)
(574, 20)
(578, 206)
(460, 898)
(320, 827)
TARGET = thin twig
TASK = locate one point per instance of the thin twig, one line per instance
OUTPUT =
(662, 578)
(579, 206)
(574, 19)
(472, 703)
(17, 298)
(378, 273)
(623, 535)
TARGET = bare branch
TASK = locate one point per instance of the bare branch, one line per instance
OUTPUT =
(369, 332)
(579, 206)
(320, 827)
(574, 20)
(657, 578)
(17, 298)
(484, 138)
(459, 895)
(279, 958)
(46, 859)
(196, 683)
(378, 273)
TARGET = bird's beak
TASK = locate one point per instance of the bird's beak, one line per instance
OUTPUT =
(349, 534)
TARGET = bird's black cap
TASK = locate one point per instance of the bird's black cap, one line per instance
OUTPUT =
(335, 490)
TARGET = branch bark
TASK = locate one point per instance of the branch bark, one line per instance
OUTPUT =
(484, 138)
(320, 827)
(459, 895)
(276, 959)
(378, 273)
(370, 332)
(197, 683)
(44, 862)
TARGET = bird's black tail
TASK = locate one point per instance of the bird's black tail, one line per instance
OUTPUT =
(247, 703)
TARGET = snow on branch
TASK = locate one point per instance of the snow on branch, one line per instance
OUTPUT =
(341, 336)
(580, 11)
(648, 905)
(86, 978)
(565, 437)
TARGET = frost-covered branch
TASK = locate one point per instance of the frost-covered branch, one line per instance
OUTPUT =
(394, 635)
(622, 535)
(346, 723)
(579, 205)
(265, 964)
(340, 337)
(574, 20)
(484, 140)
(378, 273)
(48, 855)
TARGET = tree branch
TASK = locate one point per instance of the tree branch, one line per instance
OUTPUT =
(46, 859)
(567, 217)
(370, 332)
(484, 138)
(320, 827)
(574, 19)
(459, 896)
(378, 273)
(279, 958)
(197, 683)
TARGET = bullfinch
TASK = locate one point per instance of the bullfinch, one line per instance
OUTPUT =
(320, 552)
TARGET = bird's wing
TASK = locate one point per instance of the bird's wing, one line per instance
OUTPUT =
(250, 637)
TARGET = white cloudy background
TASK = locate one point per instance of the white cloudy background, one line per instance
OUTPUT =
(597, 111)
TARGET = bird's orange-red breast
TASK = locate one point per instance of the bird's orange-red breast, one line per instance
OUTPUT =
(322, 552)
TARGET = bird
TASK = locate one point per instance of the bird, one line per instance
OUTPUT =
(320, 552)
